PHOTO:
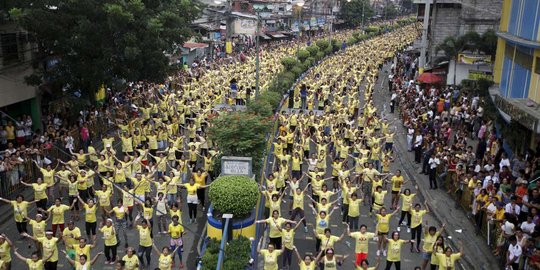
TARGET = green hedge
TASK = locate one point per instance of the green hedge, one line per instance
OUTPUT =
(237, 254)
(234, 194)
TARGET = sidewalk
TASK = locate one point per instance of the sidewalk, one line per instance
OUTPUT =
(477, 255)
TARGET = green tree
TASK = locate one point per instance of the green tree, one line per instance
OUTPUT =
(351, 12)
(107, 40)
(488, 43)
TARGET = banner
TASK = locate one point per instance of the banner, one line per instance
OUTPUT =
(228, 47)
(477, 74)
(473, 59)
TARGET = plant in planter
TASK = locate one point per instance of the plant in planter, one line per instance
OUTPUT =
(233, 194)
(237, 253)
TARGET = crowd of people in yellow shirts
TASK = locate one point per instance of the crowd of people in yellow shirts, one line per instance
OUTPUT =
(333, 154)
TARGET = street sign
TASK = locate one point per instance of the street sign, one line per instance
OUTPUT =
(236, 166)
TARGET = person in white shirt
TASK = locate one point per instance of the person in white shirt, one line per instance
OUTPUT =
(513, 254)
(433, 162)
(512, 208)
(505, 161)
(528, 225)
(418, 147)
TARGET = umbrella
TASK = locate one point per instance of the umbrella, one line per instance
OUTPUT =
(429, 78)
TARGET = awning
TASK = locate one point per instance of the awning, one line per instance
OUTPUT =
(277, 35)
(264, 36)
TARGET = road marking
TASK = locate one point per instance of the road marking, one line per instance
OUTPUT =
(309, 238)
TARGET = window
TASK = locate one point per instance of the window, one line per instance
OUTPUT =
(524, 59)
(537, 66)
(10, 51)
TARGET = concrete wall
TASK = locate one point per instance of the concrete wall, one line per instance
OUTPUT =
(12, 86)
(462, 71)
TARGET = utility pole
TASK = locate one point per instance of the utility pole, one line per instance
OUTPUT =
(229, 24)
(422, 61)
(300, 6)
(258, 51)
(331, 25)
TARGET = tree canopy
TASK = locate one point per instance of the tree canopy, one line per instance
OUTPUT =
(351, 11)
(100, 41)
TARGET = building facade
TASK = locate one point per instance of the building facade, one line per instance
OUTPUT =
(457, 17)
(517, 64)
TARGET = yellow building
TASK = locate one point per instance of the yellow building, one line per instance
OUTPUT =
(517, 63)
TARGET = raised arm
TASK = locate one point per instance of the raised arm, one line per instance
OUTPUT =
(72, 262)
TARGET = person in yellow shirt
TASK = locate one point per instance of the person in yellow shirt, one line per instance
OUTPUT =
(20, 211)
(430, 238)
(397, 181)
(5, 250)
(362, 242)
(145, 241)
(353, 212)
(270, 256)
(330, 261)
(287, 240)
(406, 201)
(90, 218)
(275, 223)
(176, 232)
(48, 177)
(82, 248)
(110, 245)
(57, 211)
(104, 199)
(200, 178)
(82, 262)
(40, 192)
(165, 257)
(417, 217)
(383, 227)
(447, 260)
(192, 199)
(120, 213)
(394, 251)
(327, 239)
(49, 244)
(131, 261)
(307, 263)
(33, 263)
(71, 236)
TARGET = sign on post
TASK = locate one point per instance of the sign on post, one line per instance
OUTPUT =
(236, 166)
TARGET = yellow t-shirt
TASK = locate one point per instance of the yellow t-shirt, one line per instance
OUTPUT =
(165, 262)
(104, 197)
(288, 239)
(429, 241)
(362, 241)
(397, 182)
(176, 231)
(192, 189)
(416, 217)
(109, 234)
(38, 228)
(394, 250)
(39, 191)
(148, 212)
(270, 259)
(58, 213)
(354, 207)
(298, 201)
(20, 210)
(70, 235)
(303, 266)
(79, 266)
(81, 251)
(327, 242)
(131, 263)
(90, 213)
(37, 265)
(406, 201)
(383, 223)
(447, 263)
(275, 225)
(144, 236)
(5, 252)
(120, 213)
(49, 247)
